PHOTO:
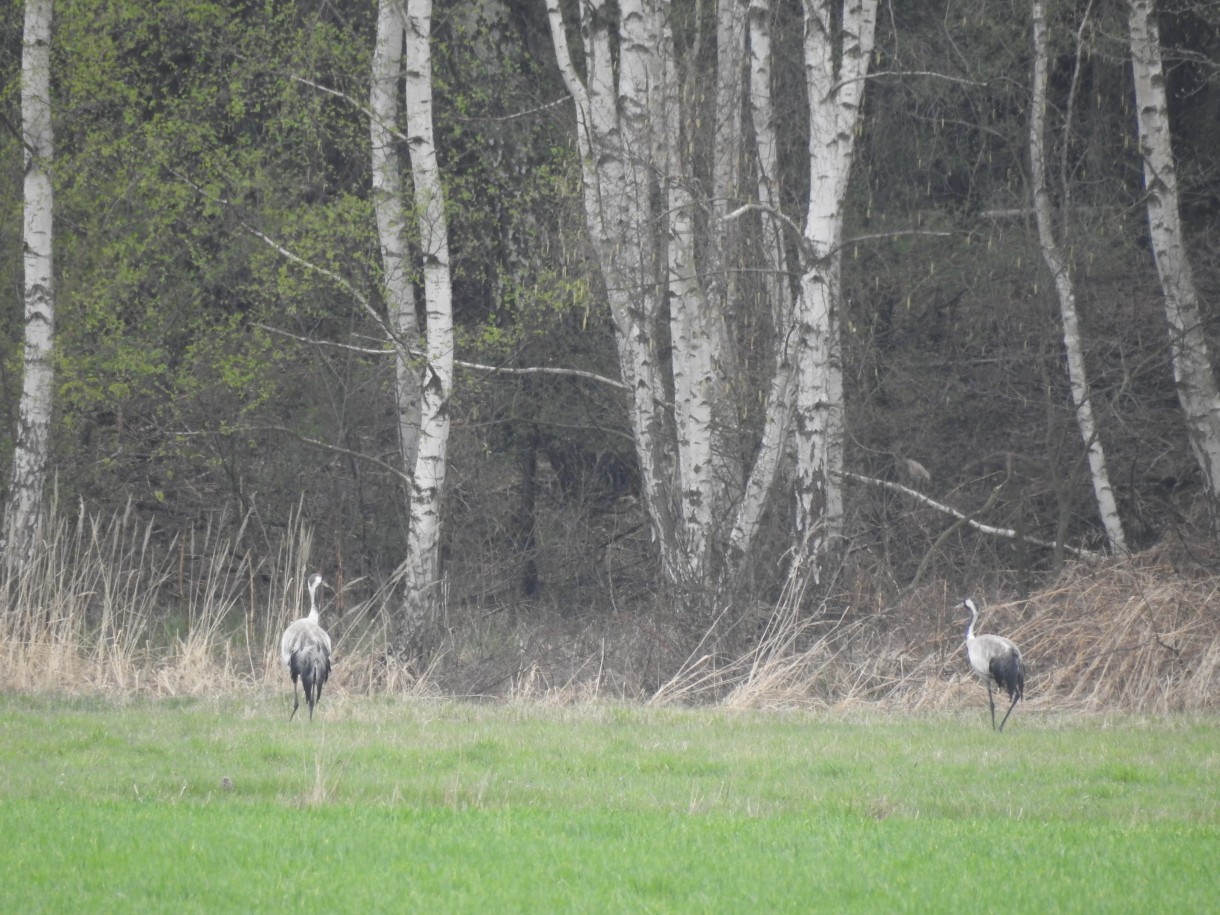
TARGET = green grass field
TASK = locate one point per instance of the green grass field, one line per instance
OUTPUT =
(383, 805)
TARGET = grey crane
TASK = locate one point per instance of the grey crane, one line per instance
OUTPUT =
(995, 659)
(305, 651)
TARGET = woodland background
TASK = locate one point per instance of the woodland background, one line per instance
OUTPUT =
(232, 414)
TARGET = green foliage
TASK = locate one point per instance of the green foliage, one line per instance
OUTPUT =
(382, 803)
(181, 128)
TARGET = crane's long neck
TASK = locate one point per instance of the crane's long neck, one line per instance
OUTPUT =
(313, 602)
(974, 615)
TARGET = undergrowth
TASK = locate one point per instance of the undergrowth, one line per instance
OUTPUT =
(108, 608)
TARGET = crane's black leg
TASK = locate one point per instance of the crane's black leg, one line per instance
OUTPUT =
(295, 701)
(990, 702)
(1009, 712)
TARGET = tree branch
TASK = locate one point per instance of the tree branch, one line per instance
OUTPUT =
(965, 519)
(469, 366)
(807, 253)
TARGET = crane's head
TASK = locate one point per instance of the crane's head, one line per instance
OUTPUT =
(314, 581)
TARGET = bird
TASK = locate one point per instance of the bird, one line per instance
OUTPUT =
(305, 651)
(995, 659)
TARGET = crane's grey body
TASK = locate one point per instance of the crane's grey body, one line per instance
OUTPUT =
(997, 660)
(305, 651)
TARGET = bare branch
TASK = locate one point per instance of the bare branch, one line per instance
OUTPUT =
(364, 109)
(546, 106)
(1005, 532)
(876, 74)
(469, 366)
(341, 281)
(806, 252)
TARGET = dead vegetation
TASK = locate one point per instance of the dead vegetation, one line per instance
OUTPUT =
(107, 610)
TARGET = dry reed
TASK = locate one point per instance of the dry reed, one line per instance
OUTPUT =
(107, 607)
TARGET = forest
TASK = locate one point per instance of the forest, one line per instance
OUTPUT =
(622, 345)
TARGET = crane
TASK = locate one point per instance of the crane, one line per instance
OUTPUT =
(995, 659)
(305, 651)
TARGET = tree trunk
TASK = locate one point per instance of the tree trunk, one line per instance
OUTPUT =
(384, 101)
(723, 236)
(1057, 263)
(836, 66)
(423, 594)
(616, 143)
(693, 328)
(23, 510)
(1192, 370)
(777, 417)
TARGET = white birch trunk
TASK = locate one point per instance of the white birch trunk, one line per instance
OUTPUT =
(726, 152)
(422, 583)
(626, 187)
(731, 18)
(836, 64)
(384, 101)
(1192, 370)
(778, 413)
(616, 143)
(23, 510)
(693, 330)
(1065, 289)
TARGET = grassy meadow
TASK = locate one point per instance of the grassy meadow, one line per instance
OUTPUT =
(382, 803)
(845, 762)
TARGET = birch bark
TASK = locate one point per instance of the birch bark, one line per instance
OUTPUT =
(694, 330)
(423, 593)
(617, 146)
(635, 130)
(1192, 370)
(1065, 289)
(384, 102)
(726, 151)
(836, 66)
(23, 510)
(778, 414)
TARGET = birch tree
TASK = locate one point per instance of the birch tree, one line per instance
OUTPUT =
(1057, 263)
(1192, 369)
(387, 187)
(423, 595)
(615, 140)
(777, 416)
(635, 130)
(837, 51)
(694, 327)
(732, 17)
(23, 511)
(423, 385)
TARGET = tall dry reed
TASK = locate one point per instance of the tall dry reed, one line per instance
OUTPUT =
(108, 605)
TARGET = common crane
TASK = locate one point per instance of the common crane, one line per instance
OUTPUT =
(995, 659)
(305, 651)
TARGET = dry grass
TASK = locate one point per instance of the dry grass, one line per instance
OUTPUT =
(107, 608)
(1124, 635)
(1140, 635)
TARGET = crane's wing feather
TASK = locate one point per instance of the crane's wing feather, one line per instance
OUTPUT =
(1009, 673)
